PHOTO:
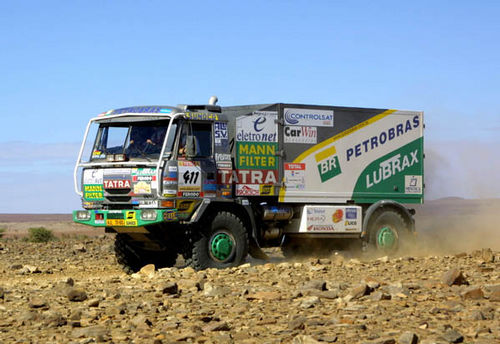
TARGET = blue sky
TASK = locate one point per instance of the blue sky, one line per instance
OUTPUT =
(63, 62)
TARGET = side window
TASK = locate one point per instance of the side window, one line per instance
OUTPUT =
(202, 133)
(203, 137)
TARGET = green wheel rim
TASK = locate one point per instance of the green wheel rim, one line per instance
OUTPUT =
(221, 246)
(386, 238)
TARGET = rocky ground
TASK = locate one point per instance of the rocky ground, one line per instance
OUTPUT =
(72, 291)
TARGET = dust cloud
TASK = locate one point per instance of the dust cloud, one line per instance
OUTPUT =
(455, 225)
(461, 180)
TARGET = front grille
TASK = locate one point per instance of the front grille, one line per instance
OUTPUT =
(118, 191)
(118, 199)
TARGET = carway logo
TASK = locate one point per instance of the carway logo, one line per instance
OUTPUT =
(328, 164)
(309, 117)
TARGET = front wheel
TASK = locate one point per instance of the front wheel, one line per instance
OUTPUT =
(224, 245)
(388, 232)
(132, 257)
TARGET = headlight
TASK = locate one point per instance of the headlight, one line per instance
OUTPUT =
(83, 215)
(148, 215)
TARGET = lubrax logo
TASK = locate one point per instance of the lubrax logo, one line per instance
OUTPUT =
(328, 164)
(390, 167)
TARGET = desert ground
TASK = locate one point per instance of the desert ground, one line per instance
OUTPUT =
(445, 290)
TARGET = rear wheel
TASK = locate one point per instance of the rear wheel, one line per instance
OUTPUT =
(388, 232)
(132, 257)
(224, 244)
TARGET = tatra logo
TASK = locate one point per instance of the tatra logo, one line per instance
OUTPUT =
(116, 184)
(257, 122)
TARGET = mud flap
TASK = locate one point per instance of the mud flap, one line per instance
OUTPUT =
(255, 251)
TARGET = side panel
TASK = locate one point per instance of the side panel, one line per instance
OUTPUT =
(333, 155)
(257, 158)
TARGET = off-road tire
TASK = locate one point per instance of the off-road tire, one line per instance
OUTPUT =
(132, 258)
(394, 225)
(231, 228)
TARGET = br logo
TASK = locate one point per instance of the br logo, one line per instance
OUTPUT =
(328, 164)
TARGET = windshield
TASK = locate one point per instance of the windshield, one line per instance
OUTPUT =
(137, 140)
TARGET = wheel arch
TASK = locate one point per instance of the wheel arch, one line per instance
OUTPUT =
(389, 205)
(244, 212)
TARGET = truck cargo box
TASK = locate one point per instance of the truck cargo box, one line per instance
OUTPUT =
(327, 154)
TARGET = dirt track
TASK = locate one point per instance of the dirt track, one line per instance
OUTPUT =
(72, 291)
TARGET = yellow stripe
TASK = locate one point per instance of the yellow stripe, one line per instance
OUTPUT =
(343, 134)
(332, 139)
(325, 154)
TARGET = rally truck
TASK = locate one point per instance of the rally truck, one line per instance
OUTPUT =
(214, 184)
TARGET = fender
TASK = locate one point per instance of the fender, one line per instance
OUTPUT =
(389, 204)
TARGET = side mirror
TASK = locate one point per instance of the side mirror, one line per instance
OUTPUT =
(190, 146)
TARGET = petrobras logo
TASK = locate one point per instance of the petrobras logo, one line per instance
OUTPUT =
(309, 117)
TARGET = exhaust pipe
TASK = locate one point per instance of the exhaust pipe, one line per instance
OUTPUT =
(213, 100)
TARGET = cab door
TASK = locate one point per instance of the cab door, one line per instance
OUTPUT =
(197, 173)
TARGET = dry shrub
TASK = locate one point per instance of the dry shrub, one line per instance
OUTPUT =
(40, 234)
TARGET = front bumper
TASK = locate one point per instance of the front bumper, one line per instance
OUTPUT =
(124, 218)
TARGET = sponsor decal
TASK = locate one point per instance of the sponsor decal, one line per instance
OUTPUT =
(202, 116)
(413, 184)
(266, 189)
(308, 117)
(146, 171)
(116, 184)
(117, 172)
(220, 133)
(91, 205)
(224, 165)
(190, 194)
(92, 176)
(253, 155)
(295, 176)
(142, 188)
(330, 218)
(97, 154)
(382, 138)
(165, 110)
(170, 215)
(328, 164)
(338, 216)
(184, 205)
(265, 113)
(137, 109)
(257, 128)
(293, 134)
(93, 192)
(247, 176)
(169, 193)
(222, 157)
(247, 190)
(172, 168)
(209, 187)
(320, 228)
(189, 176)
(351, 213)
(390, 167)
(147, 203)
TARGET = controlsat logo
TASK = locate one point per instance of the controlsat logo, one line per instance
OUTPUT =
(257, 124)
(309, 117)
(289, 117)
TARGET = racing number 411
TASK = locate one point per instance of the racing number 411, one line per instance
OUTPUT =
(190, 177)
